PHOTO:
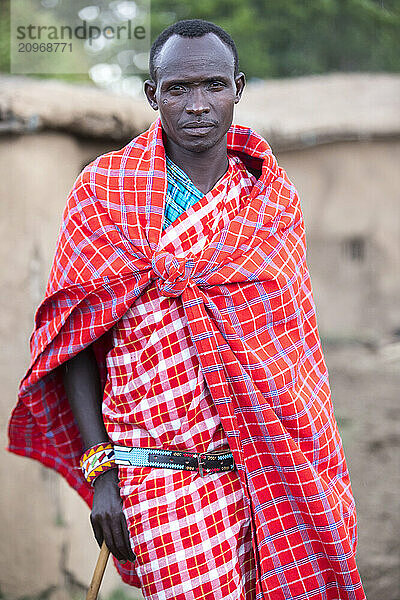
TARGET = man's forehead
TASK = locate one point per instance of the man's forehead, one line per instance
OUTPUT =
(191, 54)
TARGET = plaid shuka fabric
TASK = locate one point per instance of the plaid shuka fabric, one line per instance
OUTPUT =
(191, 535)
(248, 303)
(181, 193)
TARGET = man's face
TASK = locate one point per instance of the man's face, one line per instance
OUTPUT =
(195, 91)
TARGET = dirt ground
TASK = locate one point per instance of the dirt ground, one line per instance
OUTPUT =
(365, 385)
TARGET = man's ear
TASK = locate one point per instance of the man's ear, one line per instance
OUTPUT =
(150, 91)
(240, 82)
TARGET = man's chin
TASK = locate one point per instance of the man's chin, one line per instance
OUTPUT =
(199, 145)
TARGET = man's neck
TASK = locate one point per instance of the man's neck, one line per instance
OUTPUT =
(204, 168)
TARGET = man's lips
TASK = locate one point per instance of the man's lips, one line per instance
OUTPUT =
(198, 125)
(198, 129)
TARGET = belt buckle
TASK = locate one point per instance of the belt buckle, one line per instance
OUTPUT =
(200, 467)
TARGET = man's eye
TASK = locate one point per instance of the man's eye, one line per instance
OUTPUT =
(216, 84)
(177, 88)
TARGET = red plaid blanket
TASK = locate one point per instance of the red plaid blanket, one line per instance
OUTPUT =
(248, 301)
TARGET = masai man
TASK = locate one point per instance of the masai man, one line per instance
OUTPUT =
(176, 355)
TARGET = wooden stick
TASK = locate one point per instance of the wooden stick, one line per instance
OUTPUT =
(98, 573)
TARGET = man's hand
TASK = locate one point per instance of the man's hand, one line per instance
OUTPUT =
(84, 392)
(83, 388)
(108, 520)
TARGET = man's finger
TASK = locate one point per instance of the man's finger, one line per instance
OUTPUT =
(125, 534)
(119, 539)
(98, 531)
(110, 542)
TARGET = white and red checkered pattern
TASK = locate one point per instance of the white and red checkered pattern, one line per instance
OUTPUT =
(191, 535)
(247, 300)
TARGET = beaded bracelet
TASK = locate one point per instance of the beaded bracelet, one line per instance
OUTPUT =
(97, 460)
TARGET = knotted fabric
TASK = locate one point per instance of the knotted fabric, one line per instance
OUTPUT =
(173, 274)
(248, 302)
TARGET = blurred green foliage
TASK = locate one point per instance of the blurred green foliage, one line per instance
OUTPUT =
(5, 28)
(285, 38)
(4, 36)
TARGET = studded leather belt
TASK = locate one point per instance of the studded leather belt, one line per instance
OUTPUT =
(216, 461)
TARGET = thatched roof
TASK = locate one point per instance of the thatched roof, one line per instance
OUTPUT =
(322, 109)
(40, 104)
(289, 113)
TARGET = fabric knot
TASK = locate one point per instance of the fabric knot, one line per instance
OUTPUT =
(173, 274)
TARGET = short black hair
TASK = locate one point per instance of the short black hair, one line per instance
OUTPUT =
(191, 28)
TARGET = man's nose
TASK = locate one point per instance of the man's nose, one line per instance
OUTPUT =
(197, 102)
